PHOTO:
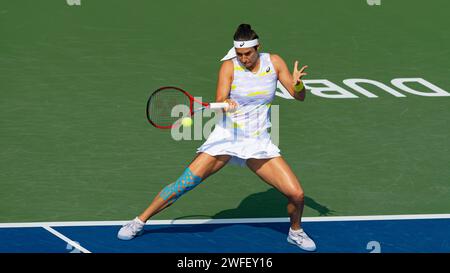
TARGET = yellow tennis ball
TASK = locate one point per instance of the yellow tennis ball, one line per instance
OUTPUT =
(187, 122)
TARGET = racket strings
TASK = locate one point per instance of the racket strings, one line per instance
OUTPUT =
(161, 104)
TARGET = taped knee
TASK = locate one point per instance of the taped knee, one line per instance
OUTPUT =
(186, 182)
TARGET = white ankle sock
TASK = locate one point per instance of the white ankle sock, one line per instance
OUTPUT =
(138, 220)
(296, 231)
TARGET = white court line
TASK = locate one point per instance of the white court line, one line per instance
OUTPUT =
(232, 221)
(67, 240)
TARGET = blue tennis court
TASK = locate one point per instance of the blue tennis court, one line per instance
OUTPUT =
(354, 235)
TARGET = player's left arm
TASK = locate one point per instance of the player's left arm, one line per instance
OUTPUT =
(288, 80)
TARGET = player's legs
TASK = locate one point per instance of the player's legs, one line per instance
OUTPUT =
(277, 173)
(202, 166)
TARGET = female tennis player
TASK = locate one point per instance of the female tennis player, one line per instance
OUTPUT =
(247, 82)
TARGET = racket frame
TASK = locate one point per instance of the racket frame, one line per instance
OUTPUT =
(205, 105)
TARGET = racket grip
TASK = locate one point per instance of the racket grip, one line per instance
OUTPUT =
(218, 105)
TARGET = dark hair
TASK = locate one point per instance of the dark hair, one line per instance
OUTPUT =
(244, 32)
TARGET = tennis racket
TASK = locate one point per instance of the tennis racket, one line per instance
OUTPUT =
(164, 99)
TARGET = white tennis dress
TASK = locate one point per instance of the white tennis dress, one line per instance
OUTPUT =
(243, 133)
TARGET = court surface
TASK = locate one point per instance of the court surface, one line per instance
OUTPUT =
(380, 234)
(75, 145)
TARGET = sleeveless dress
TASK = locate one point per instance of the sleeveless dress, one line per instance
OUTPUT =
(243, 133)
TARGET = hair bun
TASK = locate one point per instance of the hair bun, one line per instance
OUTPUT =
(245, 27)
(244, 32)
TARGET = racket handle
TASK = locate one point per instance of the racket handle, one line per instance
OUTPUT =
(218, 105)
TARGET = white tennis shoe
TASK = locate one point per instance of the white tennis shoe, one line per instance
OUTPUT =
(131, 229)
(301, 239)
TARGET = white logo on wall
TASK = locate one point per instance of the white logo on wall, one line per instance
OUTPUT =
(374, 246)
(374, 2)
(73, 2)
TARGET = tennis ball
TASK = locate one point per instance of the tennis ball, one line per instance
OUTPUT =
(187, 122)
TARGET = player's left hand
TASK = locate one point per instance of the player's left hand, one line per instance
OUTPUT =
(298, 74)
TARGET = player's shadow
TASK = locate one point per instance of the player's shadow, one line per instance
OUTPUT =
(270, 203)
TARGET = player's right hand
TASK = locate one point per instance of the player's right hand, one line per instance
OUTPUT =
(232, 105)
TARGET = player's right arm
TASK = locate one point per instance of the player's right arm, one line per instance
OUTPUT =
(224, 84)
